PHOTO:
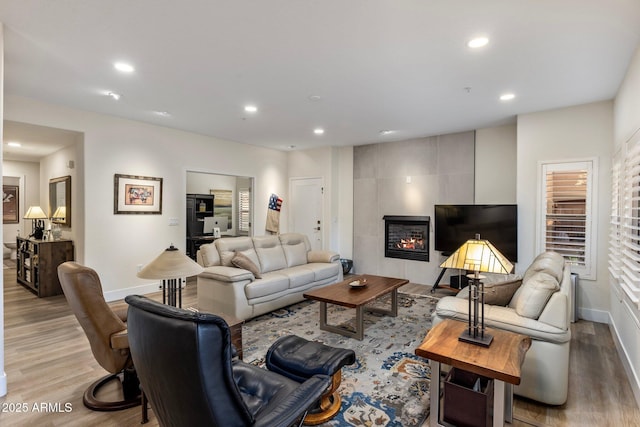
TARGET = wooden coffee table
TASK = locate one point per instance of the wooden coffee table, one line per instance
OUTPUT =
(347, 296)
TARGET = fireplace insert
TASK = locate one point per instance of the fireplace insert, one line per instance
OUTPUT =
(406, 237)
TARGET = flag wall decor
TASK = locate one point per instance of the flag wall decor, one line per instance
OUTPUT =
(273, 214)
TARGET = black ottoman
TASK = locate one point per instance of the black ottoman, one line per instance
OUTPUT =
(300, 359)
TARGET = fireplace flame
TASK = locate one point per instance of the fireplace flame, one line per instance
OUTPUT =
(412, 243)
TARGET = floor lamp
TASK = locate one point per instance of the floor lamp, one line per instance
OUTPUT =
(479, 256)
(170, 267)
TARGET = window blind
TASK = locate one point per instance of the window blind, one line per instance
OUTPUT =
(243, 209)
(567, 226)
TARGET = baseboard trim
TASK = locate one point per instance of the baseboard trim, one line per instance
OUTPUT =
(134, 290)
(634, 381)
(3, 384)
(598, 316)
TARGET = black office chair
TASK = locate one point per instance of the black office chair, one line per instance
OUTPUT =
(187, 369)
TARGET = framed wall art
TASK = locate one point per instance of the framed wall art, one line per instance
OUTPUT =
(137, 194)
(10, 206)
(223, 204)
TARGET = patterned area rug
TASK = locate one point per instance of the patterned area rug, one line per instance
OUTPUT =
(388, 385)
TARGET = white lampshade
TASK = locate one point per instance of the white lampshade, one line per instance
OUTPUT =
(479, 256)
(35, 212)
(60, 213)
(170, 264)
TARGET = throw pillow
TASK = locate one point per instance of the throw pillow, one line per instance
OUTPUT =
(500, 293)
(240, 260)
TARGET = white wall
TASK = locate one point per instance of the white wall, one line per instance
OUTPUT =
(116, 244)
(496, 165)
(625, 315)
(570, 133)
(326, 163)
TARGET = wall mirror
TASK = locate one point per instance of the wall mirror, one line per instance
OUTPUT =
(60, 200)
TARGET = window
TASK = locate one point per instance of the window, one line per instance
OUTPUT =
(244, 204)
(567, 224)
(624, 236)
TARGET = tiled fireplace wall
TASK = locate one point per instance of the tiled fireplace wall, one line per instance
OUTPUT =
(407, 178)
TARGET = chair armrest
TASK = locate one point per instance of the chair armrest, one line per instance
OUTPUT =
(121, 313)
(296, 404)
(322, 256)
(119, 340)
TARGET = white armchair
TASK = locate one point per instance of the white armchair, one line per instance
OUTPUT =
(539, 308)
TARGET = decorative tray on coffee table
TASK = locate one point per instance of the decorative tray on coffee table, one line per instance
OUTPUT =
(359, 283)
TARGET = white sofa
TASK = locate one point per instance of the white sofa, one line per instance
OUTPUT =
(277, 270)
(540, 308)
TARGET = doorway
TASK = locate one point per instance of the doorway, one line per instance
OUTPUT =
(307, 204)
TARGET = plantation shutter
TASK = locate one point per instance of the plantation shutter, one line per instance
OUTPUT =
(615, 233)
(566, 214)
(630, 224)
(243, 210)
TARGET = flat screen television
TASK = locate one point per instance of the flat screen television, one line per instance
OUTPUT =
(455, 224)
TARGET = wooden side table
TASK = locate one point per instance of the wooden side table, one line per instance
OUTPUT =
(502, 361)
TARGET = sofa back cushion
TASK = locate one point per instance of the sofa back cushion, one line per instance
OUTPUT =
(228, 246)
(539, 282)
(208, 255)
(295, 247)
(270, 253)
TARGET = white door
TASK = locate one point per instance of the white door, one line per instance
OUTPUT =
(306, 209)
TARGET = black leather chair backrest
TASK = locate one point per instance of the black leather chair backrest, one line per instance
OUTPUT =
(184, 363)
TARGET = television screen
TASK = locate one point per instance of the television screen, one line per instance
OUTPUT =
(455, 224)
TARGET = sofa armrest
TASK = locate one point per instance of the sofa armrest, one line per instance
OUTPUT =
(227, 274)
(556, 312)
(322, 256)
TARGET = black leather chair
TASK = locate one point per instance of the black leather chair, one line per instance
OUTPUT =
(187, 369)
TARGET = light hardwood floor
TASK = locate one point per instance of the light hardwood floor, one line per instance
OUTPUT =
(49, 364)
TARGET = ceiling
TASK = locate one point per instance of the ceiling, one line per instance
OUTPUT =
(351, 67)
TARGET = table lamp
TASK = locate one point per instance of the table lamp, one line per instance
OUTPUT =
(170, 267)
(36, 214)
(479, 256)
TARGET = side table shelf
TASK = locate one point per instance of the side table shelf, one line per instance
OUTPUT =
(37, 264)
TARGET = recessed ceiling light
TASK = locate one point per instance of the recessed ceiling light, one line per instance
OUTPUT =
(318, 131)
(14, 144)
(386, 132)
(478, 42)
(507, 97)
(162, 113)
(250, 108)
(315, 98)
(124, 67)
(113, 95)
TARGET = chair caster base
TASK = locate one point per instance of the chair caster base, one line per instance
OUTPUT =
(90, 401)
(329, 407)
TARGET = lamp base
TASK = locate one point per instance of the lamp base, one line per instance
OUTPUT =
(482, 340)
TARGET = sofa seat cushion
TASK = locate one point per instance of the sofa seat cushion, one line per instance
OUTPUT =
(271, 283)
(504, 318)
(298, 276)
(532, 296)
(324, 271)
